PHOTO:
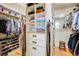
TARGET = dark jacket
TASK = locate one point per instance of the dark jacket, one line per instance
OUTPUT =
(73, 41)
(76, 52)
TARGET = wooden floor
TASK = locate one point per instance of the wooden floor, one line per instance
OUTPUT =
(58, 52)
(16, 52)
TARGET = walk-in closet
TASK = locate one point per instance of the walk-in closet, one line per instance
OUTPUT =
(39, 29)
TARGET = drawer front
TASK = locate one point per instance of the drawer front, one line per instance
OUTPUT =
(39, 36)
(30, 50)
(37, 42)
(31, 36)
(42, 43)
(41, 51)
(33, 50)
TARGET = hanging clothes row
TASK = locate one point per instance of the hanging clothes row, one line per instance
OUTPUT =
(73, 43)
(9, 42)
(8, 26)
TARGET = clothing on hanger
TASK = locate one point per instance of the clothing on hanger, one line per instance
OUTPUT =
(3, 26)
(75, 21)
(12, 26)
(76, 52)
(30, 4)
(73, 42)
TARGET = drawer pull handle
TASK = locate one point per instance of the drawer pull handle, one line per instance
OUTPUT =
(34, 35)
(34, 48)
(34, 42)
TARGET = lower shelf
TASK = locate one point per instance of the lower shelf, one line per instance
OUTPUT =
(4, 53)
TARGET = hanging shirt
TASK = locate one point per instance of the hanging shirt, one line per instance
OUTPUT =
(75, 22)
(8, 27)
(13, 27)
(3, 26)
(16, 26)
(20, 23)
(8, 24)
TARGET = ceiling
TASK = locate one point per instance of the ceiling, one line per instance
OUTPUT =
(59, 6)
(63, 9)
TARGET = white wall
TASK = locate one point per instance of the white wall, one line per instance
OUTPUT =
(62, 34)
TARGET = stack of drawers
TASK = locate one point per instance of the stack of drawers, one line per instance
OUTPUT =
(36, 44)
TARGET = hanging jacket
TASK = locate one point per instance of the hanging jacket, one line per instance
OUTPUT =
(72, 41)
(3, 26)
(76, 52)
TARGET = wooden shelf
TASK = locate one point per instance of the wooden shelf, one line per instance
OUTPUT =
(40, 4)
(7, 16)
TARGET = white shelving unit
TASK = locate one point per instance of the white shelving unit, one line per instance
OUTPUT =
(36, 30)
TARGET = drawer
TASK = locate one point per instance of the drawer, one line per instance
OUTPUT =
(33, 50)
(30, 50)
(37, 42)
(32, 36)
(39, 36)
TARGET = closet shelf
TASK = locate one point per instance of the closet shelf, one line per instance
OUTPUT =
(2, 36)
(40, 4)
(2, 15)
(9, 50)
(32, 5)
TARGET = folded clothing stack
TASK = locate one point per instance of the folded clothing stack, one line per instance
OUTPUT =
(30, 4)
(40, 9)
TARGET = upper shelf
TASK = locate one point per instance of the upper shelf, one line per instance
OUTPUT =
(8, 16)
(31, 4)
